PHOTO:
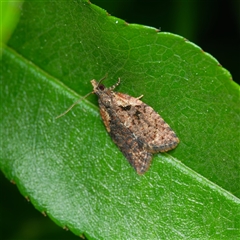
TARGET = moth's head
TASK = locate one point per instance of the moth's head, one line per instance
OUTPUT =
(97, 86)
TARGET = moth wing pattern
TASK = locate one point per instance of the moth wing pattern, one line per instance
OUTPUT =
(146, 124)
(134, 126)
(133, 150)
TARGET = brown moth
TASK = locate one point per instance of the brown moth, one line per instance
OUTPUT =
(135, 127)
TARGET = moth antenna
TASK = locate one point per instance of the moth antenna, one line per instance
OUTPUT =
(115, 85)
(80, 99)
(100, 81)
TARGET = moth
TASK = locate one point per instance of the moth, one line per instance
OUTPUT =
(134, 127)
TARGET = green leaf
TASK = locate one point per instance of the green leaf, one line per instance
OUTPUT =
(70, 168)
(10, 13)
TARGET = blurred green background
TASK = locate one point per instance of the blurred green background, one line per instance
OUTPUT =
(213, 25)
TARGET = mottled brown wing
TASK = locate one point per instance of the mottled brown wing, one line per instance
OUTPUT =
(147, 126)
(133, 150)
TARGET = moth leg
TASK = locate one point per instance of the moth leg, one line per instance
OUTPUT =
(139, 97)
